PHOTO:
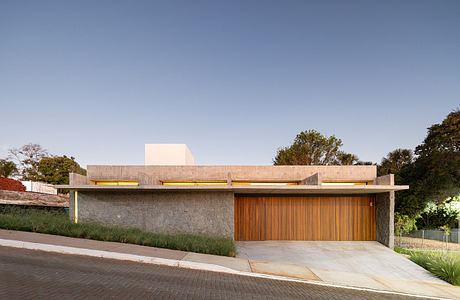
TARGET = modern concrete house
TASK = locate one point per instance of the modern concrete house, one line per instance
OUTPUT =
(319, 203)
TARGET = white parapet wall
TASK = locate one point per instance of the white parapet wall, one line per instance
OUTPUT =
(39, 187)
(168, 154)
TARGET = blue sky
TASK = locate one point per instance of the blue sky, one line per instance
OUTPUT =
(234, 80)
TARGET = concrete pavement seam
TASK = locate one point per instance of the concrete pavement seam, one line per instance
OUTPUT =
(175, 263)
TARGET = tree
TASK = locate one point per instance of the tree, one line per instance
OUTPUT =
(28, 157)
(394, 161)
(436, 216)
(435, 174)
(346, 158)
(55, 170)
(364, 163)
(403, 224)
(7, 168)
(312, 148)
(439, 158)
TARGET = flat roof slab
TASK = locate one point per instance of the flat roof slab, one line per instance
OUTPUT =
(266, 189)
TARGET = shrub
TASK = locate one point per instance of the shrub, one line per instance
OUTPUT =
(11, 185)
(446, 267)
(421, 258)
(403, 224)
(443, 265)
(56, 222)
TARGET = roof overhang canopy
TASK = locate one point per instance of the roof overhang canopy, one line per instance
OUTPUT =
(245, 189)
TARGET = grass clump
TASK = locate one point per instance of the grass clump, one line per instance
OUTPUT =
(445, 266)
(421, 258)
(57, 223)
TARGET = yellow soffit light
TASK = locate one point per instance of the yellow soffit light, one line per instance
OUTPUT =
(264, 183)
(194, 182)
(344, 183)
(116, 182)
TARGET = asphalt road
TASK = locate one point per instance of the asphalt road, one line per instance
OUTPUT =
(26, 274)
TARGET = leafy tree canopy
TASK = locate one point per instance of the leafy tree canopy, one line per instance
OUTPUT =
(27, 158)
(435, 174)
(55, 170)
(394, 161)
(312, 148)
(37, 164)
(7, 168)
(436, 216)
(364, 163)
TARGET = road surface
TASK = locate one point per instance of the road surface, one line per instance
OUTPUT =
(27, 274)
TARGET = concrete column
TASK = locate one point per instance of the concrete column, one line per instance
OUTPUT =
(71, 204)
(384, 215)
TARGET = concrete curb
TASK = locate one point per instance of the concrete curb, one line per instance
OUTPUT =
(175, 263)
(115, 255)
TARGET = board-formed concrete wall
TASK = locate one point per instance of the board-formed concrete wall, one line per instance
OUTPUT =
(153, 175)
(210, 213)
(384, 215)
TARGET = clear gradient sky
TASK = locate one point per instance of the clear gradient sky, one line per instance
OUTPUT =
(234, 80)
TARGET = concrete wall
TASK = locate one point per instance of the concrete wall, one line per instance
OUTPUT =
(152, 175)
(385, 180)
(210, 213)
(77, 179)
(384, 215)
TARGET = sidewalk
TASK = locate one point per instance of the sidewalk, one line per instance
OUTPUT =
(208, 262)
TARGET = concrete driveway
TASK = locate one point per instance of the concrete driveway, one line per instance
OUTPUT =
(339, 262)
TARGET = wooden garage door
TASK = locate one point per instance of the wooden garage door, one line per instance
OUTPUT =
(309, 218)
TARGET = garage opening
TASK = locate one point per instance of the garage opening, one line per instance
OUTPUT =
(307, 218)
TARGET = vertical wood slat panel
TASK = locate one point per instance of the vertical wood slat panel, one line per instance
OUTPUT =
(315, 218)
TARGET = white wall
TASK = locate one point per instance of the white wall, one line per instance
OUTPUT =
(39, 187)
(168, 154)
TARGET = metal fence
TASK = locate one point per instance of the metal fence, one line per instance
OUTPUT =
(435, 234)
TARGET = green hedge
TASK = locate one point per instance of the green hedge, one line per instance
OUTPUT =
(57, 223)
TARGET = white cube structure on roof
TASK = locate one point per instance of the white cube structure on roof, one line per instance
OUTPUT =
(168, 154)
